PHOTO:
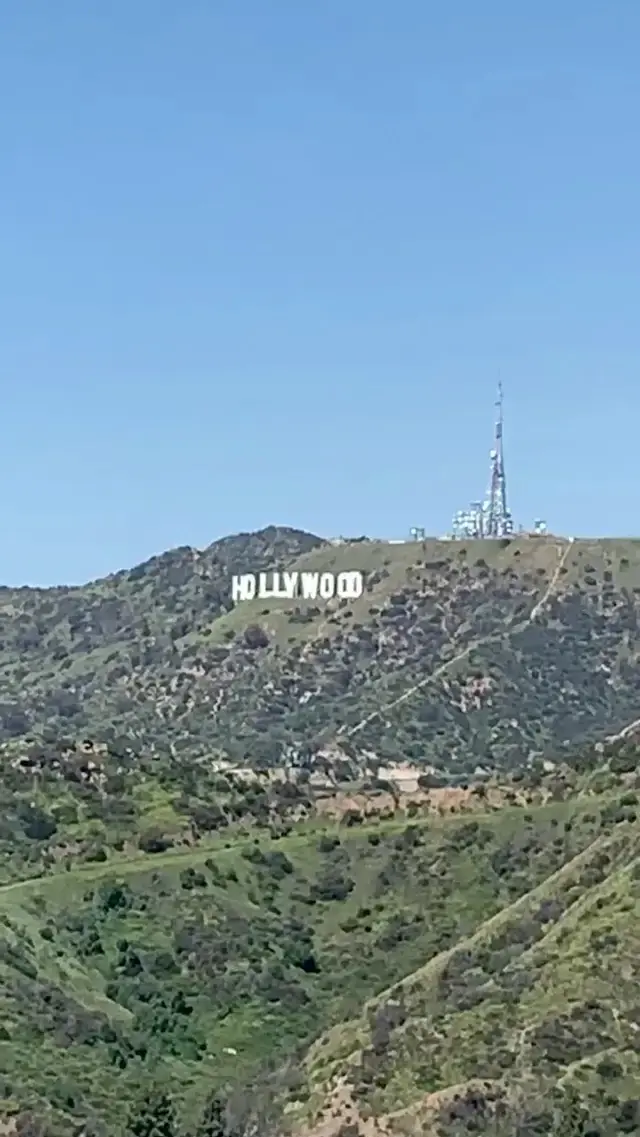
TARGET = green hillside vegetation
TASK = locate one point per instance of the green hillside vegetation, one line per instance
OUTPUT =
(529, 1024)
(181, 916)
(499, 933)
(457, 654)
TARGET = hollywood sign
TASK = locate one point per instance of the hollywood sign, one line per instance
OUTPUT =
(297, 586)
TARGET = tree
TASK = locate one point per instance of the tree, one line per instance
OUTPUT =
(154, 1116)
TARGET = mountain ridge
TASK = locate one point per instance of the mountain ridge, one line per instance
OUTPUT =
(161, 654)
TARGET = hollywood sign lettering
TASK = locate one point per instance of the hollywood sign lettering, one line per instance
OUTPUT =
(297, 586)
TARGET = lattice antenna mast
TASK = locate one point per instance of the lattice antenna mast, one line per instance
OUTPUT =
(497, 522)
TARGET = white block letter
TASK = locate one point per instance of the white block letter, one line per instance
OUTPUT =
(290, 584)
(248, 586)
(327, 585)
(350, 585)
(309, 585)
(264, 592)
(277, 587)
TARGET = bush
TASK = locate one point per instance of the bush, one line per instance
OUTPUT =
(154, 841)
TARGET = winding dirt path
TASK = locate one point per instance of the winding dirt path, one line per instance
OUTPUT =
(348, 732)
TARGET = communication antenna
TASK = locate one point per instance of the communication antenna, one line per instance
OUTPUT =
(490, 517)
(498, 522)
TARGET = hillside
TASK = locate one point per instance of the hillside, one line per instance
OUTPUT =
(494, 949)
(209, 883)
(529, 1023)
(456, 655)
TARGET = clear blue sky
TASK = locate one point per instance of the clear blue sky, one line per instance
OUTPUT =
(264, 262)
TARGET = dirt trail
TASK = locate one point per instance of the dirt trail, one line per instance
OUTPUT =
(444, 667)
(552, 584)
(341, 1107)
(430, 971)
(186, 856)
(625, 732)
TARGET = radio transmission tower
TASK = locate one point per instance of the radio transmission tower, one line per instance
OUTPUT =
(497, 519)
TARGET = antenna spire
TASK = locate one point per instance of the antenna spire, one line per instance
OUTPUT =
(491, 517)
(497, 519)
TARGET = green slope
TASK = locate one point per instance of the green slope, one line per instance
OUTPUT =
(529, 1024)
(205, 966)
